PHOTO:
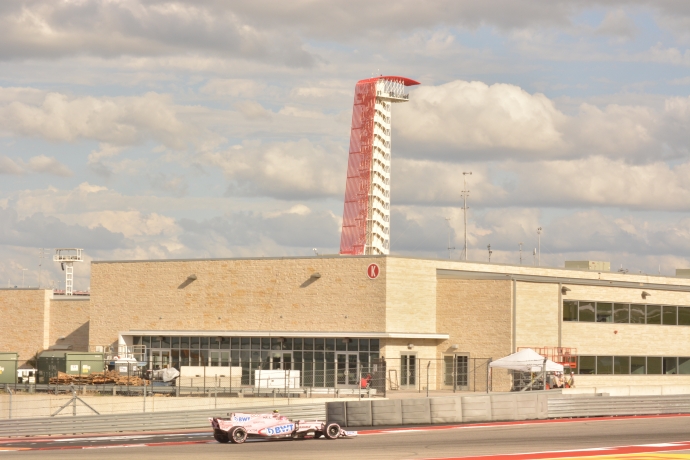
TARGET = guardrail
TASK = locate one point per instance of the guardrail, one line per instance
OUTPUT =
(601, 406)
(142, 422)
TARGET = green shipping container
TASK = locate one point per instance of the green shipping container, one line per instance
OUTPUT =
(79, 363)
(69, 362)
(8, 367)
(49, 364)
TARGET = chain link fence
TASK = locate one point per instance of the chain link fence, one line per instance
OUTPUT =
(87, 387)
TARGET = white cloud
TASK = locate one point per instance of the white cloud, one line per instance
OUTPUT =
(234, 87)
(618, 24)
(252, 110)
(113, 120)
(286, 170)
(37, 164)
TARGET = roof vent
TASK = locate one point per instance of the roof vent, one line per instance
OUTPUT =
(588, 265)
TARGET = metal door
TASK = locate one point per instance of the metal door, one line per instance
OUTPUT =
(408, 371)
(346, 370)
(281, 360)
(159, 359)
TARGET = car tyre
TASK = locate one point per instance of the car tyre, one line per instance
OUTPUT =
(221, 436)
(238, 435)
(332, 431)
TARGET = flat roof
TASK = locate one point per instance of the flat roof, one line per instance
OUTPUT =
(290, 334)
(468, 266)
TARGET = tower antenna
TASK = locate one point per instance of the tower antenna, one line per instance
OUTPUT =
(465, 194)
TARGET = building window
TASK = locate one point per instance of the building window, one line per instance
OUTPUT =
(570, 310)
(635, 365)
(587, 364)
(669, 315)
(637, 314)
(638, 365)
(623, 313)
(586, 312)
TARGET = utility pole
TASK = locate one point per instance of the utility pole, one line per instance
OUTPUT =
(520, 253)
(465, 194)
(539, 246)
(490, 251)
(534, 257)
(449, 248)
(42, 253)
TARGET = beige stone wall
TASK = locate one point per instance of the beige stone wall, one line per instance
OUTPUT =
(410, 296)
(70, 319)
(25, 323)
(537, 315)
(477, 314)
(237, 295)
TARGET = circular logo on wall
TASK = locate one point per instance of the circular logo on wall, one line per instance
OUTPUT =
(373, 271)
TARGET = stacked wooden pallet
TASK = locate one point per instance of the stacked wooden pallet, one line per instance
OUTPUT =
(97, 378)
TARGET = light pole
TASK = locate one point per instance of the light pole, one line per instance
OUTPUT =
(490, 251)
(465, 194)
(534, 257)
(520, 253)
(449, 248)
(23, 271)
(539, 246)
(42, 254)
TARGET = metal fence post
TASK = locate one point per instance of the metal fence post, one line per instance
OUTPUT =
(10, 407)
(144, 395)
(488, 373)
(427, 378)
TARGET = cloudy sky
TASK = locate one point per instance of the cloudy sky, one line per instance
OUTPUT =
(158, 129)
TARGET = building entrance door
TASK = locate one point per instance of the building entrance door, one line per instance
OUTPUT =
(281, 360)
(408, 371)
(159, 359)
(455, 371)
(346, 370)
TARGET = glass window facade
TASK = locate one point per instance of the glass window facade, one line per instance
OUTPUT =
(606, 312)
(314, 357)
(635, 365)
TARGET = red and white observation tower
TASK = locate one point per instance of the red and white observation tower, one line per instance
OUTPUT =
(366, 217)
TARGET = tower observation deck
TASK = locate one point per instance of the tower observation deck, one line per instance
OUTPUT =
(366, 216)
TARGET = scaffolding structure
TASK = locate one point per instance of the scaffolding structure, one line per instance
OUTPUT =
(366, 214)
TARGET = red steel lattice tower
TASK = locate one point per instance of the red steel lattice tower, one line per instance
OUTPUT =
(366, 215)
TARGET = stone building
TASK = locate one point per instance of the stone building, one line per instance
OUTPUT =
(327, 313)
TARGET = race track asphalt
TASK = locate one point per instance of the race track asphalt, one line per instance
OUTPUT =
(459, 441)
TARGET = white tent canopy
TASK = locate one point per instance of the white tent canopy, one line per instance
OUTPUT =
(526, 360)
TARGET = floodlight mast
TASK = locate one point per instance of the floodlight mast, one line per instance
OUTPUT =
(465, 193)
(67, 257)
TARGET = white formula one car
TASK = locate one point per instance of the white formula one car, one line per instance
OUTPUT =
(238, 427)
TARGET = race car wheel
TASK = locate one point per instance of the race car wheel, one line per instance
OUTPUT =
(221, 436)
(238, 435)
(332, 431)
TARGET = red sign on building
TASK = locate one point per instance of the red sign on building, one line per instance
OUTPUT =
(373, 271)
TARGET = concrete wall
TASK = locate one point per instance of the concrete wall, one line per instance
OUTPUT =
(477, 314)
(25, 323)
(69, 318)
(237, 295)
